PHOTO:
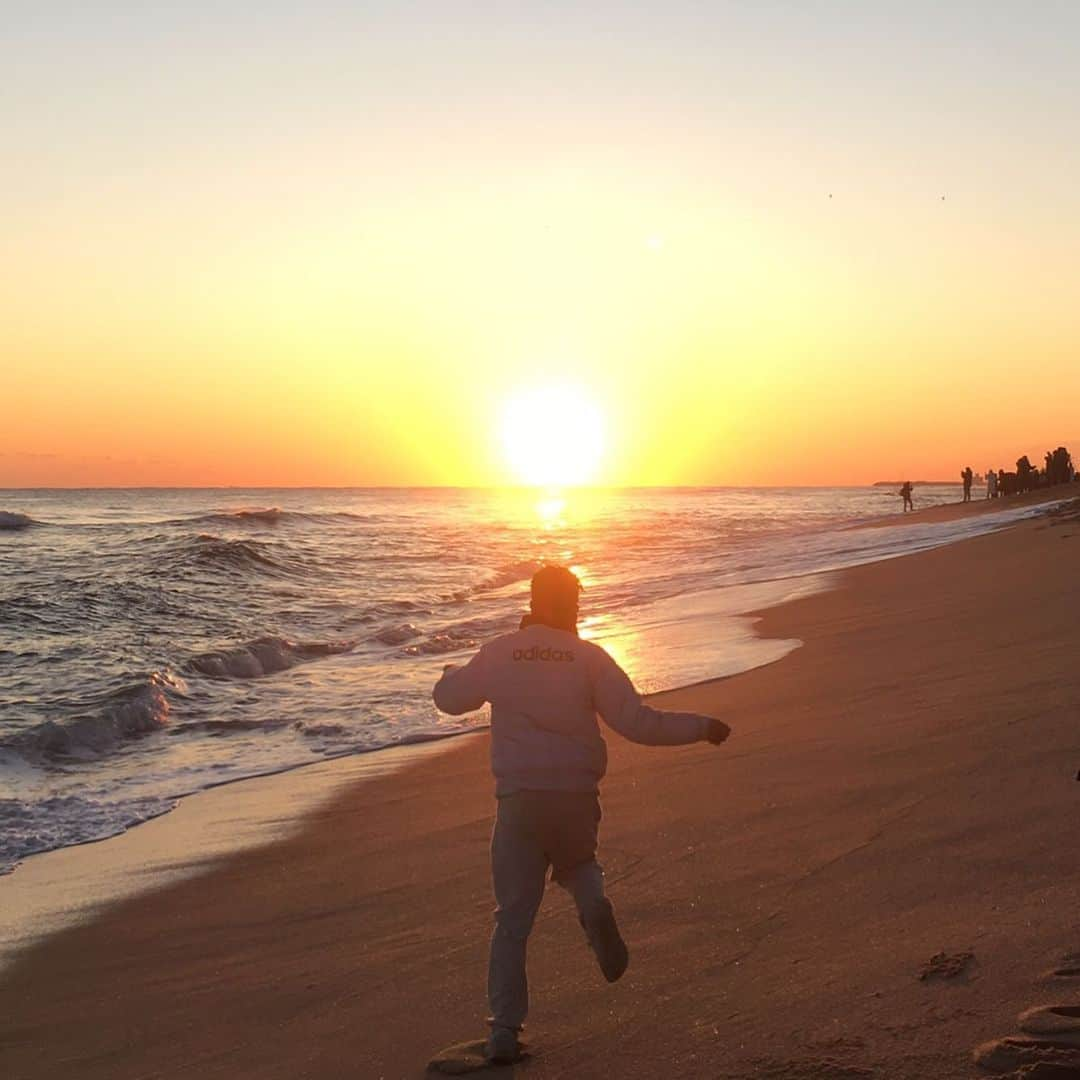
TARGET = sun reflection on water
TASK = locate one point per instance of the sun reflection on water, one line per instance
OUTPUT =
(617, 639)
(562, 526)
(550, 510)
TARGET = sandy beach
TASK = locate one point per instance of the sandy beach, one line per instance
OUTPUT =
(347, 343)
(901, 788)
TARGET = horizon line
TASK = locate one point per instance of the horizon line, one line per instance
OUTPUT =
(462, 487)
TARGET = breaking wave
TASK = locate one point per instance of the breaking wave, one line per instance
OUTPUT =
(398, 635)
(462, 635)
(269, 515)
(260, 657)
(513, 572)
(135, 710)
(272, 515)
(12, 522)
(218, 551)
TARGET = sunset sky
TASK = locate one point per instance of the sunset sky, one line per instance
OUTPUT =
(768, 243)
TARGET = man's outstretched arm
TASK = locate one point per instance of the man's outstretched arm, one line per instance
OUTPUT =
(462, 689)
(621, 707)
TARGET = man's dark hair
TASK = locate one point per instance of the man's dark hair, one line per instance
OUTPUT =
(555, 587)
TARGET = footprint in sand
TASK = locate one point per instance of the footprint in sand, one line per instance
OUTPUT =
(1053, 1020)
(1068, 969)
(1049, 1049)
(1020, 1057)
(946, 966)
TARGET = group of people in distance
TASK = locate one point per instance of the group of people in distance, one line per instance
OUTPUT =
(1057, 469)
(1027, 477)
(968, 478)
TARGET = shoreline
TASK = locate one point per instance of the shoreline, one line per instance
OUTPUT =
(392, 757)
(959, 511)
(38, 905)
(653, 801)
(49, 891)
(734, 656)
(260, 828)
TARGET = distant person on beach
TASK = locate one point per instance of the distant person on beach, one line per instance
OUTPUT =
(546, 686)
(967, 476)
(991, 484)
(905, 494)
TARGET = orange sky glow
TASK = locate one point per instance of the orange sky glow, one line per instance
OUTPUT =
(764, 247)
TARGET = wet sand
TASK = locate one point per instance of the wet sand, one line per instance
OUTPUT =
(872, 877)
(66, 887)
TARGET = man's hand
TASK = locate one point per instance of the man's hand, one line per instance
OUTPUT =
(718, 731)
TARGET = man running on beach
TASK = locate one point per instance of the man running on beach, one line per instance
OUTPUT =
(546, 686)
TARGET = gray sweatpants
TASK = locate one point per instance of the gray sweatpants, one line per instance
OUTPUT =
(535, 830)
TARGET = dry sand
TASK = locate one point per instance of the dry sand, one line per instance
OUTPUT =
(871, 878)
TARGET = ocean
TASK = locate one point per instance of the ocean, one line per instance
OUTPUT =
(154, 643)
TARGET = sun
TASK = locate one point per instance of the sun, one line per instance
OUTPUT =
(552, 435)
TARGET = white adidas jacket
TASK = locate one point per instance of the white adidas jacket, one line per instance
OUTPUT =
(546, 687)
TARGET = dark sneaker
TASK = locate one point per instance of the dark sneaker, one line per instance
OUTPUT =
(605, 940)
(502, 1046)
